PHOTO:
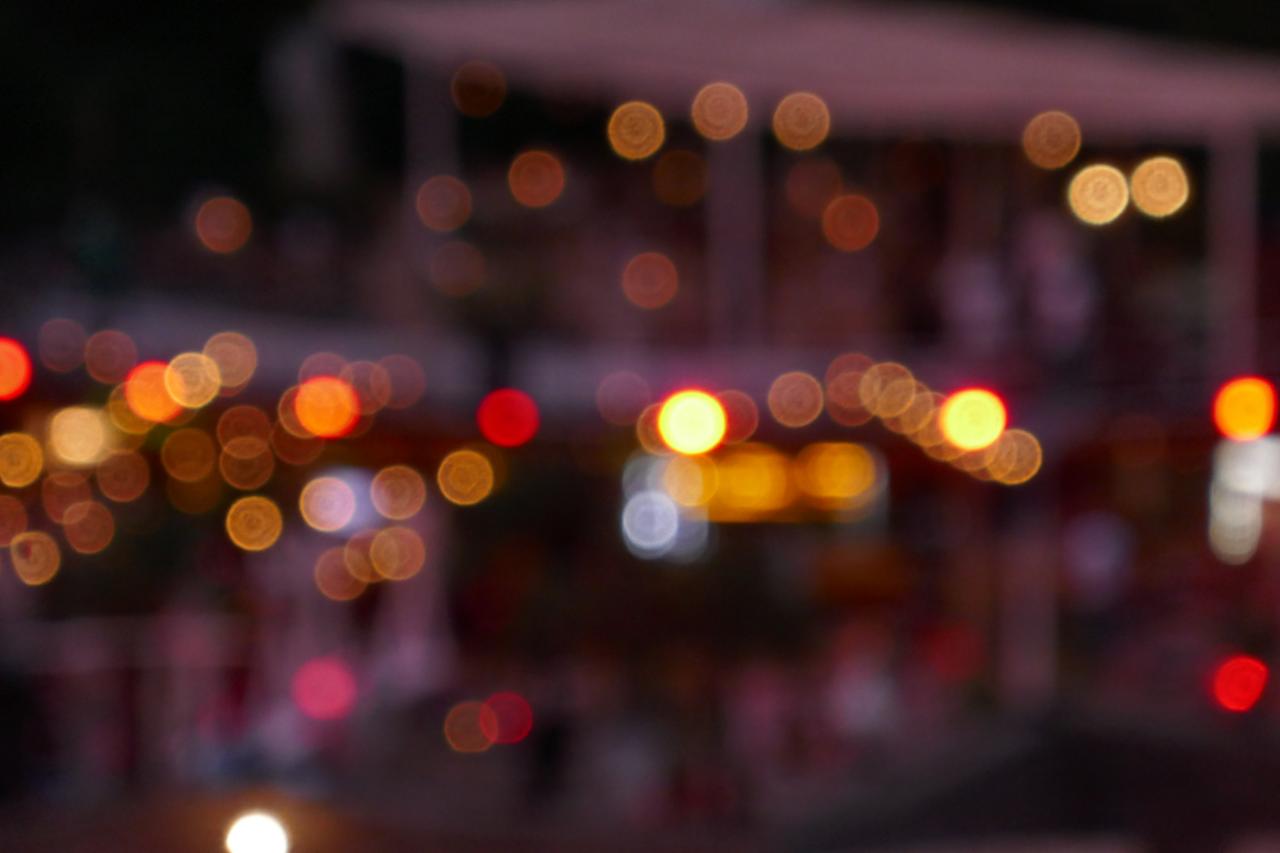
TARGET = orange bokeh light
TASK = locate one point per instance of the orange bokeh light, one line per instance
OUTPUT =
(444, 203)
(147, 395)
(1245, 408)
(972, 418)
(326, 406)
(15, 369)
(650, 280)
(692, 422)
(536, 178)
(850, 222)
(223, 224)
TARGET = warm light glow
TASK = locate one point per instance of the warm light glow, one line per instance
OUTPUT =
(843, 387)
(690, 481)
(835, 475)
(1245, 408)
(13, 519)
(257, 832)
(1051, 140)
(801, 121)
(691, 422)
(355, 557)
(223, 225)
(61, 344)
(650, 280)
(188, 455)
(507, 417)
(478, 89)
(146, 394)
(457, 268)
(465, 477)
(719, 111)
(324, 689)
(1159, 186)
(680, 178)
(78, 436)
(327, 504)
(812, 184)
(192, 379)
(919, 411)
(510, 718)
(333, 579)
(60, 491)
(444, 203)
(398, 492)
(742, 417)
(1098, 194)
(850, 222)
(15, 369)
(109, 355)
(887, 389)
(795, 399)
(621, 397)
(254, 523)
(536, 178)
(326, 407)
(35, 557)
(397, 553)
(1238, 683)
(636, 130)
(755, 481)
(235, 357)
(972, 418)
(1015, 457)
(21, 459)
(88, 527)
(246, 462)
(124, 418)
(123, 476)
(465, 726)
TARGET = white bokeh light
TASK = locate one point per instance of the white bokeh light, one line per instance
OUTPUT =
(257, 832)
(650, 524)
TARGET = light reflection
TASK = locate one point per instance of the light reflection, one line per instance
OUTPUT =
(326, 407)
(257, 832)
(972, 418)
(332, 578)
(78, 436)
(836, 475)
(650, 522)
(843, 386)
(850, 222)
(741, 414)
(60, 490)
(15, 369)
(755, 482)
(88, 527)
(192, 379)
(123, 476)
(466, 726)
(146, 394)
(235, 357)
(691, 422)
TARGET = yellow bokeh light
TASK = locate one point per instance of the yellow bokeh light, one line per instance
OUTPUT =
(1015, 457)
(398, 492)
(465, 477)
(254, 523)
(917, 413)
(650, 280)
(188, 455)
(327, 504)
(691, 422)
(146, 394)
(719, 111)
(35, 557)
(21, 459)
(536, 178)
(636, 130)
(332, 578)
(444, 203)
(1245, 408)
(801, 121)
(835, 475)
(78, 436)
(1160, 187)
(236, 358)
(680, 178)
(122, 417)
(850, 222)
(88, 527)
(123, 476)
(13, 519)
(755, 481)
(690, 480)
(795, 399)
(397, 553)
(972, 418)
(1098, 194)
(192, 379)
(1051, 140)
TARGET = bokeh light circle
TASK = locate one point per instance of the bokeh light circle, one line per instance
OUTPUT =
(1051, 139)
(257, 832)
(192, 379)
(650, 280)
(60, 344)
(397, 553)
(801, 121)
(443, 203)
(15, 369)
(478, 89)
(719, 111)
(972, 418)
(88, 527)
(254, 523)
(333, 579)
(1238, 683)
(223, 225)
(21, 459)
(324, 688)
(465, 727)
(1159, 187)
(536, 178)
(465, 477)
(123, 476)
(795, 399)
(109, 355)
(327, 504)
(147, 395)
(850, 222)
(1245, 408)
(510, 718)
(35, 557)
(235, 357)
(691, 422)
(326, 407)
(188, 455)
(398, 492)
(507, 417)
(1098, 194)
(636, 130)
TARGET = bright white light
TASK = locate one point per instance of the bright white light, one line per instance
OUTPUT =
(257, 832)
(1249, 467)
(650, 523)
(1235, 525)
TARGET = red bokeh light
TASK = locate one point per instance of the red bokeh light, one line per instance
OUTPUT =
(324, 688)
(1238, 682)
(510, 719)
(507, 417)
(15, 369)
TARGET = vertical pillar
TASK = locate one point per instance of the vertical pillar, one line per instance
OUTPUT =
(735, 240)
(1233, 251)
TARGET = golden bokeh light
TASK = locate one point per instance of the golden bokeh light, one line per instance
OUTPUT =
(972, 418)
(795, 399)
(79, 436)
(332, 578)
(236, 358)
(650, 280)
(123, 476)
(443, 203)
(408, 382)
(223, 225)
(397, 553)
(467, 725)
(690, 481)
(293, 449)
(916, 416)
(1015, 457)
(246, 462)
(754, 481)
(636, 130)
(35, 557)
(109, 355)
(457, 268)
(465, 477)
(1159, 187)
(123, 418)
(719, 111)
(21, 459)
(478, 89)
(61, 490)
(887, 389)
(850, 222)
(88, 527)
(13, 519)
(835, 475)
(372, 385)
(60, 344)
(327, 504)
(1098, 194)
(536, 178)
(326, 407)
(192, 379)
(188, 455)
(621, 397)
(398, 492)
(1051, 139)
(680, 178)
(254, 523)
(741, 414)
(801, 121)
(355, 556)
(691, 422)
(1245, 408)
(843, 387)
(147, 395)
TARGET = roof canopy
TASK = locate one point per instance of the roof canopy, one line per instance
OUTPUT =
(882, 69)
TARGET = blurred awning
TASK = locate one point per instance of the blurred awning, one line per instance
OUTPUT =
(883, 69)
